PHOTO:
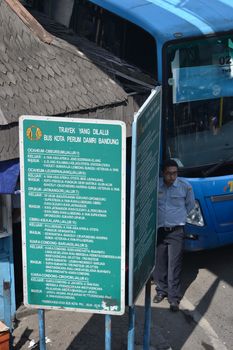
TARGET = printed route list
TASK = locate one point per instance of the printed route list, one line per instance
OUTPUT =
(73, 194)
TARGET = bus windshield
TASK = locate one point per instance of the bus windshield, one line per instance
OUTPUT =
(199, 115)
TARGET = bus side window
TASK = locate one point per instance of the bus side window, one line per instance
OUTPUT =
(122, 38)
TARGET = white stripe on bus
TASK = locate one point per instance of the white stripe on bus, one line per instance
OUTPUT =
(184, 14)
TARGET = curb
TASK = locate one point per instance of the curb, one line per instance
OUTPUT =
(24, 311)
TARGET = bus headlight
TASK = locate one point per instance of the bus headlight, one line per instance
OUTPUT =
(195, 216)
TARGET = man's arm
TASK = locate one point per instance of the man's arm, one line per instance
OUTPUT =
(189, 200)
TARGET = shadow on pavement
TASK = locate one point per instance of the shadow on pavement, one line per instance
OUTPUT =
(25, 336)
(93, 333)
(218, 261)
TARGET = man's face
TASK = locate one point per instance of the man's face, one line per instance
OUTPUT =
(170, 175)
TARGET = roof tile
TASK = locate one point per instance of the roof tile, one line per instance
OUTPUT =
(49, 71)
(3, 68)
(43, 72)
(12, 78)
(56, 69)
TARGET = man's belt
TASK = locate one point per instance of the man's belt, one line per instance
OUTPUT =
(170, 229)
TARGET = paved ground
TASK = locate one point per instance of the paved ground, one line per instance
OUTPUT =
(203, 323)
(81, 331)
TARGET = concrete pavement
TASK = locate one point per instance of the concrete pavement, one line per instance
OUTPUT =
(81, 331)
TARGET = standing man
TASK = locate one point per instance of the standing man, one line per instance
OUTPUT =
(175, 201)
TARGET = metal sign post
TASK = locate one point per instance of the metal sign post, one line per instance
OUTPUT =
(143, 199)
(73, 213)
(108, 332)
(146, 338)
(131, 331)
(41, 319)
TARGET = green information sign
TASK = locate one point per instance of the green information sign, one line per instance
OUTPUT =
(144, 181)
(73, 213)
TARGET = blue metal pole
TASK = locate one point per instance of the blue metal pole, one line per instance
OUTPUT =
(131, 331)
(42, 329)
(7, 303)
(108, 332)
(147, 324)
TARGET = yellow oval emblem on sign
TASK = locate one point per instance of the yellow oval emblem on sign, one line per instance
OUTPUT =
(34, 133)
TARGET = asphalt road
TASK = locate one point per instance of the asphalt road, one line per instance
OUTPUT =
(208, 286)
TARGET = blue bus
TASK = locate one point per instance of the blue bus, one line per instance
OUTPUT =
(187, 47)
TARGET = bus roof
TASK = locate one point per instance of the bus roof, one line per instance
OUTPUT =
(168, 19)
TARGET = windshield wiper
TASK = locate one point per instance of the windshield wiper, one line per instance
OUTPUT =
(216, 166)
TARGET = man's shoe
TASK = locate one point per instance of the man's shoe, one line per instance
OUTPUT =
(174, 307)
(158, 298)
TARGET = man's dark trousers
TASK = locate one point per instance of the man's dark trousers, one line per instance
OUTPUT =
(168, 263)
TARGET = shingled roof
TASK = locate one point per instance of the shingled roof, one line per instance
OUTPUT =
(46, 79)
(40, 75)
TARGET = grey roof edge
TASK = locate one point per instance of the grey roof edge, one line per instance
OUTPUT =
(62, 44)
(9, 134)
(72, 49)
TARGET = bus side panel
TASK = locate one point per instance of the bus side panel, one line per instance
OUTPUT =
(206, 235)
(215, 196)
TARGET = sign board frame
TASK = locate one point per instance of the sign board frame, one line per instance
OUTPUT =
(38, 134)
(144, 177)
